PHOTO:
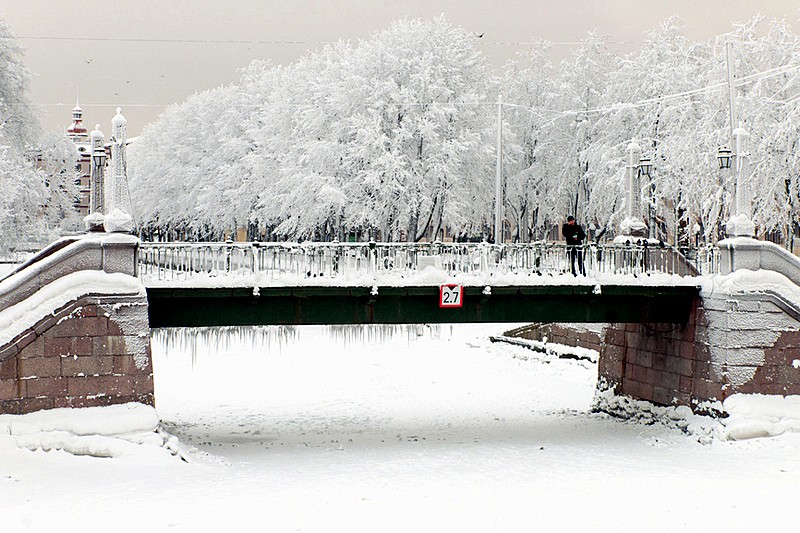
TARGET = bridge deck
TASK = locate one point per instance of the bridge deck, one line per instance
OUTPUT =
(192, 307)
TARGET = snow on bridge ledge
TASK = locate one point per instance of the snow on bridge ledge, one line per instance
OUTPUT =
(210, 265)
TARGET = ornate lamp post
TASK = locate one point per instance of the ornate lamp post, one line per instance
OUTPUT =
(724, 157)
(740, 224)
(116, 219)
(498, 185)
(646, 169)
(94, 220)
(632, 226)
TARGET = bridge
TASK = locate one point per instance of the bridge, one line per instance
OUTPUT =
(213, 284)
(76, 318)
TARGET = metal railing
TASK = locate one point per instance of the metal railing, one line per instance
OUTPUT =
(164, 262)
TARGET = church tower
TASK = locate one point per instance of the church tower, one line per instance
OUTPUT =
(77, 131)
(80, 136)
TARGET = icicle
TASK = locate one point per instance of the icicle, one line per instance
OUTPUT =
(347, 335)
(207, 341)
(212, 340)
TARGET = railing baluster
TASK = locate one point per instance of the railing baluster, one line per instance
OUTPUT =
(180, 262)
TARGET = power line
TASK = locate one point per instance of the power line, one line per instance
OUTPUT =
(176, 41)
(745, 80)
(265, 41)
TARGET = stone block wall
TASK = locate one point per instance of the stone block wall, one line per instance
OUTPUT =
(745, 343)
(566, 334)
(94, 351)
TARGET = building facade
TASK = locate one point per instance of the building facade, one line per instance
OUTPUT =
(80, 136)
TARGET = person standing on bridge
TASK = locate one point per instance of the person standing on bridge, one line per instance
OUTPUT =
(574, 235)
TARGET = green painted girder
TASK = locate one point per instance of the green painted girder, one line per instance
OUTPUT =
(195, 307)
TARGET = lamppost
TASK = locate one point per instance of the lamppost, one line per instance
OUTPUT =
(94, 221)
(117, 220)
(646, 169)
(696, 232)
(724, 157)
(632, 226)
(739, 224)
(498, 184)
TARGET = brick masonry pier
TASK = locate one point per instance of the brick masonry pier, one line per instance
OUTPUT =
(86, 354)
(742, 336)
(91, 350)
(743, 342)
(735, 342)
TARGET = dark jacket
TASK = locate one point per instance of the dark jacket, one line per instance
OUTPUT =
(573, 233)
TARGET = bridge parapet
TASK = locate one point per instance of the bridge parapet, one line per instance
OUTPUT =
(361, 263)
(110, 253)
(74, 328)
(751, 254)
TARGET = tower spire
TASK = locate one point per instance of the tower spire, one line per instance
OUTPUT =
(77, 131)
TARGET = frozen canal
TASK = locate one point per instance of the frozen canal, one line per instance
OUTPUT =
(427, 430)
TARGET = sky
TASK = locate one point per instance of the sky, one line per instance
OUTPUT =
(145, 55)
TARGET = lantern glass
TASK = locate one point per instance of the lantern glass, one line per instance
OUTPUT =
(724, 158)
(646, 166)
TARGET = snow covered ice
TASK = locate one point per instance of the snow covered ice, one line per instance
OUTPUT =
(429, 429)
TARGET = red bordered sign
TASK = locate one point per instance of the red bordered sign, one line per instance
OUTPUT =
(451, 295)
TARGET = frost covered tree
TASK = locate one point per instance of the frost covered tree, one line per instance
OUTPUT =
(391, 134)
(529, 88)
(395, 136)
(178, 168)
(580, 136)
(388, 134)
(658, 81)
(18, 125)
(765, 61)
(25, 194)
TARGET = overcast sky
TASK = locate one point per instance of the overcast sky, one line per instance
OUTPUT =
(146, 54)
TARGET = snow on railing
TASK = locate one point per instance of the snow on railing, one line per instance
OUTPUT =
(167, 262)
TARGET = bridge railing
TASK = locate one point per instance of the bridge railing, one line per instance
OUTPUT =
(164, 262)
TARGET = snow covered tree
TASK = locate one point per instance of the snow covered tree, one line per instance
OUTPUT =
(57, 170)
(390, 134)
(765, 62)
(658, 81)
(25, 194)
(529, 88)
(395, 136)
(580, 137)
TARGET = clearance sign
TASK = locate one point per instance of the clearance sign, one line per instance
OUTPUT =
(451, 295)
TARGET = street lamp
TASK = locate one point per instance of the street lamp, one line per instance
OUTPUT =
(645, 166)
(696, 232)
(632, 226)
(724, 157)
(646, 169)
(740, 224)
(498, 184)
(95, 221)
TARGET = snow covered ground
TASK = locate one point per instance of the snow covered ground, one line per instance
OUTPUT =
(427, 430)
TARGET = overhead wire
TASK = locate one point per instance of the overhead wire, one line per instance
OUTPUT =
(619, 106)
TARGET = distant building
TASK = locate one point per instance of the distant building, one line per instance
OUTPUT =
(80, 136)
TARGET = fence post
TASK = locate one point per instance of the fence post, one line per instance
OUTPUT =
(228, 246)
(255, 262)
(373, 257)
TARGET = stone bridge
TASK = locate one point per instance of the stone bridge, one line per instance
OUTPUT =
(76, 318)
